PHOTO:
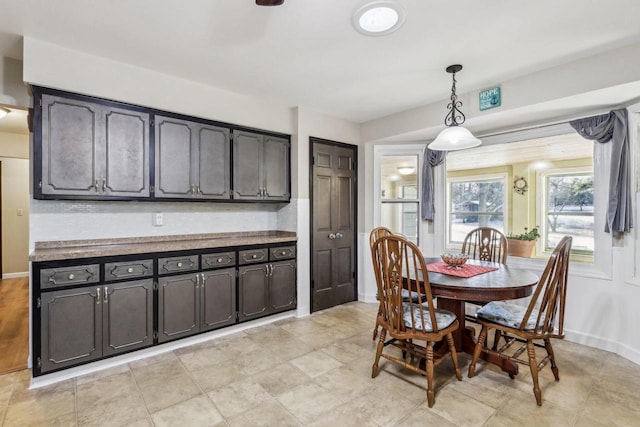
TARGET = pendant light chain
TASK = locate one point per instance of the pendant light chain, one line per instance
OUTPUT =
(455, 116)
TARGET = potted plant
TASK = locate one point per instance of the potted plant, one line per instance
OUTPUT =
(521, 245)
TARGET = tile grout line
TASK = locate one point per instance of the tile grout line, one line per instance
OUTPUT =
(135, 381)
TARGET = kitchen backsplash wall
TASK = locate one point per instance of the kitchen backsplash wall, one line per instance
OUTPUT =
(78, 220)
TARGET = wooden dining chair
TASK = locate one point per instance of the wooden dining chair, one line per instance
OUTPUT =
(400, 265)
(485, 244)
(375, 234)
(542, 320)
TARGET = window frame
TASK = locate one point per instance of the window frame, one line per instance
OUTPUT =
(380, 151)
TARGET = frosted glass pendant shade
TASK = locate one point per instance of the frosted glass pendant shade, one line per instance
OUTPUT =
(454, 138)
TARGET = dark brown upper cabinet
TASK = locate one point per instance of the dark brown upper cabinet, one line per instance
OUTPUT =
(192, 160)
(261, 169)
(90, 149)
(96, 149)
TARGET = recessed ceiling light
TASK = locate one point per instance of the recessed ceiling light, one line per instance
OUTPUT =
(378, 18)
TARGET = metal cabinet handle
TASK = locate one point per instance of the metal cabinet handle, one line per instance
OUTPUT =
(104, 185)
(72, 276)
(271, 268)
(338, 235)
(202, 275)
(193, 190)
(198, 190)
(197, 281)
(332, 236)
(106, 294)
(98, 299)
(95, 186)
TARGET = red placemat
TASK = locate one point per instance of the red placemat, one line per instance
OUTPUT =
(466, 270)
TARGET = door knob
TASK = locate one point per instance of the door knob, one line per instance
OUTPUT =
(338, 235)
(332, 236)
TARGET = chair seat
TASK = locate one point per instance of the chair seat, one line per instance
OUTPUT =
(506, 314)
(444, 318)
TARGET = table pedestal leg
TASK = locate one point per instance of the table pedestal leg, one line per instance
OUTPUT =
(464, 337)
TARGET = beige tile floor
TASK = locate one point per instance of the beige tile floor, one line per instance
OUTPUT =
(317, 371)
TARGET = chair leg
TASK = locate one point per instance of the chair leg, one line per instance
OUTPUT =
(496, 339)
(533, 365)
(374, 368)
(375, 329)
(454, 356)
(552, 359)
(477, 350)
(431, 397)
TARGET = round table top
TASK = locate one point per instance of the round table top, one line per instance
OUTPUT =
(502, 284)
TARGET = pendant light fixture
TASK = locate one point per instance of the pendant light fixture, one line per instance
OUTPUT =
(454, 137)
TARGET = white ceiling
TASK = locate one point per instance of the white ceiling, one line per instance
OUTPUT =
(305, 53)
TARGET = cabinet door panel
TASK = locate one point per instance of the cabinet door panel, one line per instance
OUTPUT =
(213, 153)
(276, 168)
(247, 166)
(69, 144)
(173, 158)
(71, 327)
(178, 310)
(282, 286)
(126, 153)
(127, 316)
(254, 291)
(218, 298)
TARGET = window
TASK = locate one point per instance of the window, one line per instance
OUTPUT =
(568, 208)
(475, 202)
(399, 202)
(525, 182)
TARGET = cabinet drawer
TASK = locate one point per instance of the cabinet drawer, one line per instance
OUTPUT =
(177, 264)
(282, 252)
(66, 276)
(128, 269)
(222, 259)
(252, 256)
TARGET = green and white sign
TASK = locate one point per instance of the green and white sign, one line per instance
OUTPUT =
(490, 98)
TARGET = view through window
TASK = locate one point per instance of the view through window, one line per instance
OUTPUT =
(399, 195)
(545, 182)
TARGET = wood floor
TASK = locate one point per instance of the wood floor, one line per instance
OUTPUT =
(14, 324)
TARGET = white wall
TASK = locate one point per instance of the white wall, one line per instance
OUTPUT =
(311, 123)
(15, 216)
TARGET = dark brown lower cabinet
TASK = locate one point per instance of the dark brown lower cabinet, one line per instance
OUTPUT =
(196, 302)
(218, 306)
(253, 291)
(83, 324)
(266, 289)
(127, 313)
(282, 286)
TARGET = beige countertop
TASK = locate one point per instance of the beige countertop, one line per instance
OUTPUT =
(73, 249)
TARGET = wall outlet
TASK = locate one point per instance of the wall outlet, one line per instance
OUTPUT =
(158, 219)
(20, 212)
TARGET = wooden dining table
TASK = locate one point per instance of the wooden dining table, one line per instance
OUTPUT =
(505, 283)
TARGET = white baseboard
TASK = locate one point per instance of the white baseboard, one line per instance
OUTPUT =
(592, 341)
(629, 353)
(14, 275)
